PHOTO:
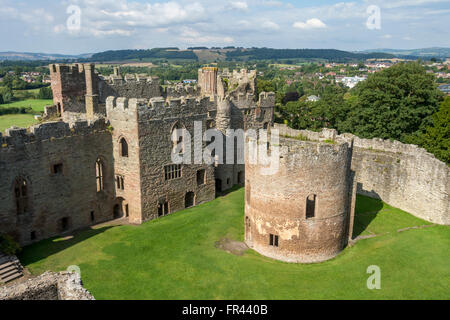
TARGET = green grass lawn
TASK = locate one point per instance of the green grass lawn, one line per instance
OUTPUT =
(22, 120)
(36, 104)
(18, 120)
(175, 258)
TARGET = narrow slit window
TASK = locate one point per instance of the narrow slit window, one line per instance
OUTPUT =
(311, 206)
(99, 173)
(21, 196)
(120, 183)
(123, 148)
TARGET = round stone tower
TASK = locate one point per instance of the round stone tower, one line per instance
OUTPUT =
(302, 212)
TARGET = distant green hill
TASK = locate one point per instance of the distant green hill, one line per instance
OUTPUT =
(236, 54)
(165, 53)
(436, 52)
(30, 56)
(328, 54)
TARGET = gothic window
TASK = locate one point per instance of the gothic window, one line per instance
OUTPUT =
(99, 173)
(311, 206)
(21, 196)
(123, 146)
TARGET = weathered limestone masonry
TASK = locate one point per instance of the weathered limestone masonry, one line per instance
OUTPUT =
(301, 213)
(404, 176)
(207, 80)
(69, 89)
(147, 126)
(48, 286)
(129, 87)
(110, 157)
(80, 93)
(49, 179)
(242, 113)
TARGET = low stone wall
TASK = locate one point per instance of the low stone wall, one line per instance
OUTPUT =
(48, 286)
(404, 176)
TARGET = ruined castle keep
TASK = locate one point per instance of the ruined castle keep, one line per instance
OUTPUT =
(302, 212)
(104, 151)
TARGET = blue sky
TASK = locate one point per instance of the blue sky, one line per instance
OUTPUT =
(41, 25)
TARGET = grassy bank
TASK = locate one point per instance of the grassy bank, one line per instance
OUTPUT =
(176, 258)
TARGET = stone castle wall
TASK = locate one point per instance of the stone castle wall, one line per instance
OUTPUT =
(244, 114)
(148, 124)
(276, 204)
(404, 176)
(141, 88)
(48, 286)
(69, 88)
(68, 193)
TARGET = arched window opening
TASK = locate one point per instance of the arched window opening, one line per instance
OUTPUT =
(21, 195)
(99, 173)
(123, 146)
(311, 206)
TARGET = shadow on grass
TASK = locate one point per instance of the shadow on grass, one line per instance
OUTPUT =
(366, 211)
(227, 192)
(45, 248)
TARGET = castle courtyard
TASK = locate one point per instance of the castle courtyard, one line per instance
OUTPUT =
(181, 257)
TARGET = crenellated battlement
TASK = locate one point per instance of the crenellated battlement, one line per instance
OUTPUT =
(67, 69)
(155, 108)
(266, 99)
(15, 136)
(369, 145)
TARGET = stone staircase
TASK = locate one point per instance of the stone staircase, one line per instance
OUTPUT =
(10, 268)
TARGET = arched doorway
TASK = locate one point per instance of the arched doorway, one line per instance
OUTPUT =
(218, 185)
(189, 200)
(118, 212)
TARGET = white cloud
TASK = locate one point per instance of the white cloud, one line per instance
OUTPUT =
(239, 5)
(387, 36)
(192, 36)
(270, 25)
(272, 3)
(313, 23)
(409, 3)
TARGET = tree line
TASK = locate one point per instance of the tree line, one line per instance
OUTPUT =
(400, 103)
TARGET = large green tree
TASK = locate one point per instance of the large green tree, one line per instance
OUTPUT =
(436, 138)
(394, 103)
